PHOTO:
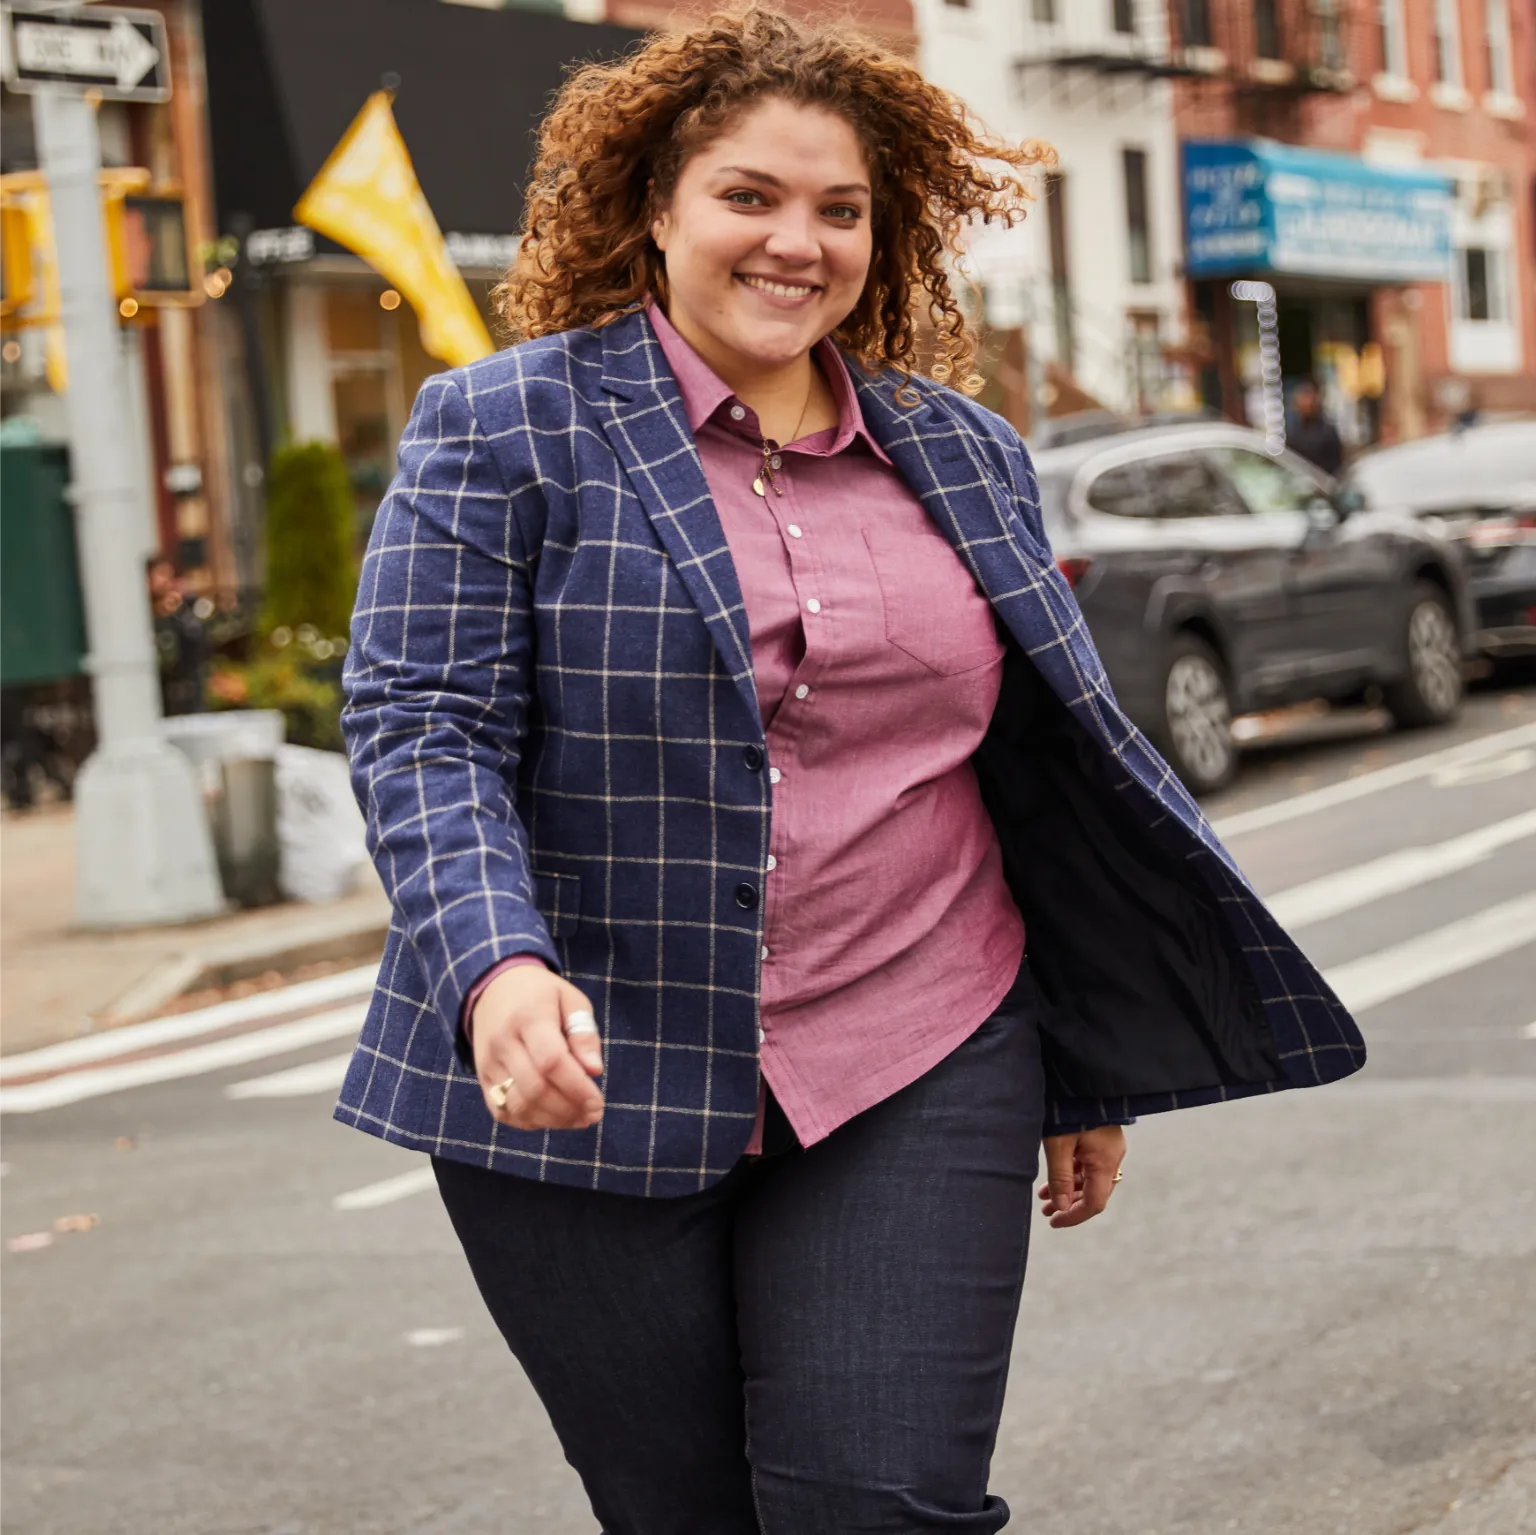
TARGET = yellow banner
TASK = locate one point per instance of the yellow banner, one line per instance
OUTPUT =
(366, 197)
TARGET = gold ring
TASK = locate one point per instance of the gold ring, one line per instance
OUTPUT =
(498, 1092)
(1118, 1176)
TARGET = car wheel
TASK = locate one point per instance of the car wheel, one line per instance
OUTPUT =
(1429, 692)
(1197, 716)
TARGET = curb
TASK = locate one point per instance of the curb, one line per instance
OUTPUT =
(350, 936)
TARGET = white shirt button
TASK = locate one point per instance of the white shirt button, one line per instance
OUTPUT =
(774, 775)
(773, 863)
(765, 951)
(776, 462)
(802, 691)
(814, 605)
(738, 413)
(794, 530)
(760, 1036)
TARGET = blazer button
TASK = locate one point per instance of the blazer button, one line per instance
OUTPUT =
(753, 757)
(746, 897)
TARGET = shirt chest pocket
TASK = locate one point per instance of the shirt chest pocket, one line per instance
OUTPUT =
(932, 609)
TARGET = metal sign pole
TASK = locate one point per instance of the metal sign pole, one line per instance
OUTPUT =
(144, 851)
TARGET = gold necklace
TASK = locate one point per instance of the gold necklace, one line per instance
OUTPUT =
(765, 475)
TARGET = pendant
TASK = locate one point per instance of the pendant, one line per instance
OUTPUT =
(759, 487)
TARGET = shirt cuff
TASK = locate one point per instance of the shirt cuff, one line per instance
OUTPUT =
(485, 980)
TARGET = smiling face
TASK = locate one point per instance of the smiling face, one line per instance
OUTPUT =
(766, 238)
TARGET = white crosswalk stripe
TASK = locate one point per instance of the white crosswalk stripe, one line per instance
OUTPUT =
(323, 1076)
(280, 1039)
(1398, 871)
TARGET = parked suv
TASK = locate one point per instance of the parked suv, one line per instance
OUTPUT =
(1218, 578)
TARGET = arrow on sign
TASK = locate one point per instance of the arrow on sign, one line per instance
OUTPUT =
(121, 52)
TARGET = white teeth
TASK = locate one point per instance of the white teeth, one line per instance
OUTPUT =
(784, 290)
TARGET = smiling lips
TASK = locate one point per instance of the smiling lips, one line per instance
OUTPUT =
(779, 289)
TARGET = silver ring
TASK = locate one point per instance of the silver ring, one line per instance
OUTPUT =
(580, 1023)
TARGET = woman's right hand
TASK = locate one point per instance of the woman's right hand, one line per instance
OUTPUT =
(518, 1028)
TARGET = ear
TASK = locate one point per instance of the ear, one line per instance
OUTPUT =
(660, 222)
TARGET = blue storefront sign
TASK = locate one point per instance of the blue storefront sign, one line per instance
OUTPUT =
(1253, 206)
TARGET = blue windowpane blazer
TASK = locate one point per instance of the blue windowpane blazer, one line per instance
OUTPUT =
(549, 704)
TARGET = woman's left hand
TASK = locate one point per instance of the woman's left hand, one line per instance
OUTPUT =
(1081, 1172)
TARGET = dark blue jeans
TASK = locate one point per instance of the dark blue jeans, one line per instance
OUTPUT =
(817, 1344)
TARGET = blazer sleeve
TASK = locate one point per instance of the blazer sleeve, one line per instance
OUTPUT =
(438, 679)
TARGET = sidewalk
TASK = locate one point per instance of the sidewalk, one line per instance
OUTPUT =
(57, 982)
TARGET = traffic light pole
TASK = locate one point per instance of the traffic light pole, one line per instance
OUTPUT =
(143, 849)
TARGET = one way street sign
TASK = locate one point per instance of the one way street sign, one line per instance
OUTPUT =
(118, 54)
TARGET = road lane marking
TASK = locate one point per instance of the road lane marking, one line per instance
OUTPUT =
(1488, 771)
(134, 1037)
(296, 1082)
(433, 1337)
(1405, 967)
(29, 1097)
(1335, 894)
(372, 1195)
(1373, 783)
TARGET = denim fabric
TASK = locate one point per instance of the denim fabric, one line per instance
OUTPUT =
(818, 1343)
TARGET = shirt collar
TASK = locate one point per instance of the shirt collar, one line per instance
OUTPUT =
(704, 392)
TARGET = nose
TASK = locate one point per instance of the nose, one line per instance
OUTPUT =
(792, 238)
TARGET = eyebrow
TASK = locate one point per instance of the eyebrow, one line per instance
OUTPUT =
(842, 189)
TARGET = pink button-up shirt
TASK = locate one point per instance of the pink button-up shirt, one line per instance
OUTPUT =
(889, 933)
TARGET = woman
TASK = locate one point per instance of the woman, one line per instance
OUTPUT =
(723, 727)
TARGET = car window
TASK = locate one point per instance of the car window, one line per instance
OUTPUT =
(1122, 492)
(1267, 484)
(1185, 485)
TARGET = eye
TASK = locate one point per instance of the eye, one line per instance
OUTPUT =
(744, 197)
(845, 213)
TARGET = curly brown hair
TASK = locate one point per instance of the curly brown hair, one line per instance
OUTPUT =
(612, 146)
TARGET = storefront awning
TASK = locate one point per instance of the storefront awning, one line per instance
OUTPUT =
(286, 77)
(1252, 206)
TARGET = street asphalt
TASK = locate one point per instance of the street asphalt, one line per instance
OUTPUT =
(1311, 1313)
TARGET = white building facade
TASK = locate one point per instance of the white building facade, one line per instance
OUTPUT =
(1093, 275)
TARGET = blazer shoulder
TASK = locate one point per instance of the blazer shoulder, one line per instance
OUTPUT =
(538, 379)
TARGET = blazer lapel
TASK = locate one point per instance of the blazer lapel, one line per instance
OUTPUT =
(648, 429)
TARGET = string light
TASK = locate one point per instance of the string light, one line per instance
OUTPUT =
(128, 308)
(389, 299)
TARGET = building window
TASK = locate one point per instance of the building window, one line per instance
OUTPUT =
(1124, 13)
(1394, 42)
(1447, 43)
(1483, 293)
(1043, 10)
(1135, 162)
(1195, 23)
(1266, 21)
(1501, 76)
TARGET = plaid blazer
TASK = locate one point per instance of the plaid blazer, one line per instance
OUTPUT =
(550, 705)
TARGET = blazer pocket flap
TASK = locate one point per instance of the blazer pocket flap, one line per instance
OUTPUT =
(558, 897)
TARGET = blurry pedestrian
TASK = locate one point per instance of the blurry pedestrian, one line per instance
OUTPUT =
(707, 544)
(1313, 435)
(181, 642)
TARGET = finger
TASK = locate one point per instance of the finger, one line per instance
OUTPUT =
(1094, 1188)
(1060, 1172)
(527, 1102)
(563, 1082)
(581, 1030)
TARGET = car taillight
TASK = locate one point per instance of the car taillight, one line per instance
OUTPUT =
(1504, 532)
(1074, 567)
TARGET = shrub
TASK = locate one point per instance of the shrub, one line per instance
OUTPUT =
(311, 548)
(296, 673)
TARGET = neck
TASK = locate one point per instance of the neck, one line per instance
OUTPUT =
(781, 395)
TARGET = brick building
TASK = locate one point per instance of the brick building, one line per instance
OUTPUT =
(1387, 88)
